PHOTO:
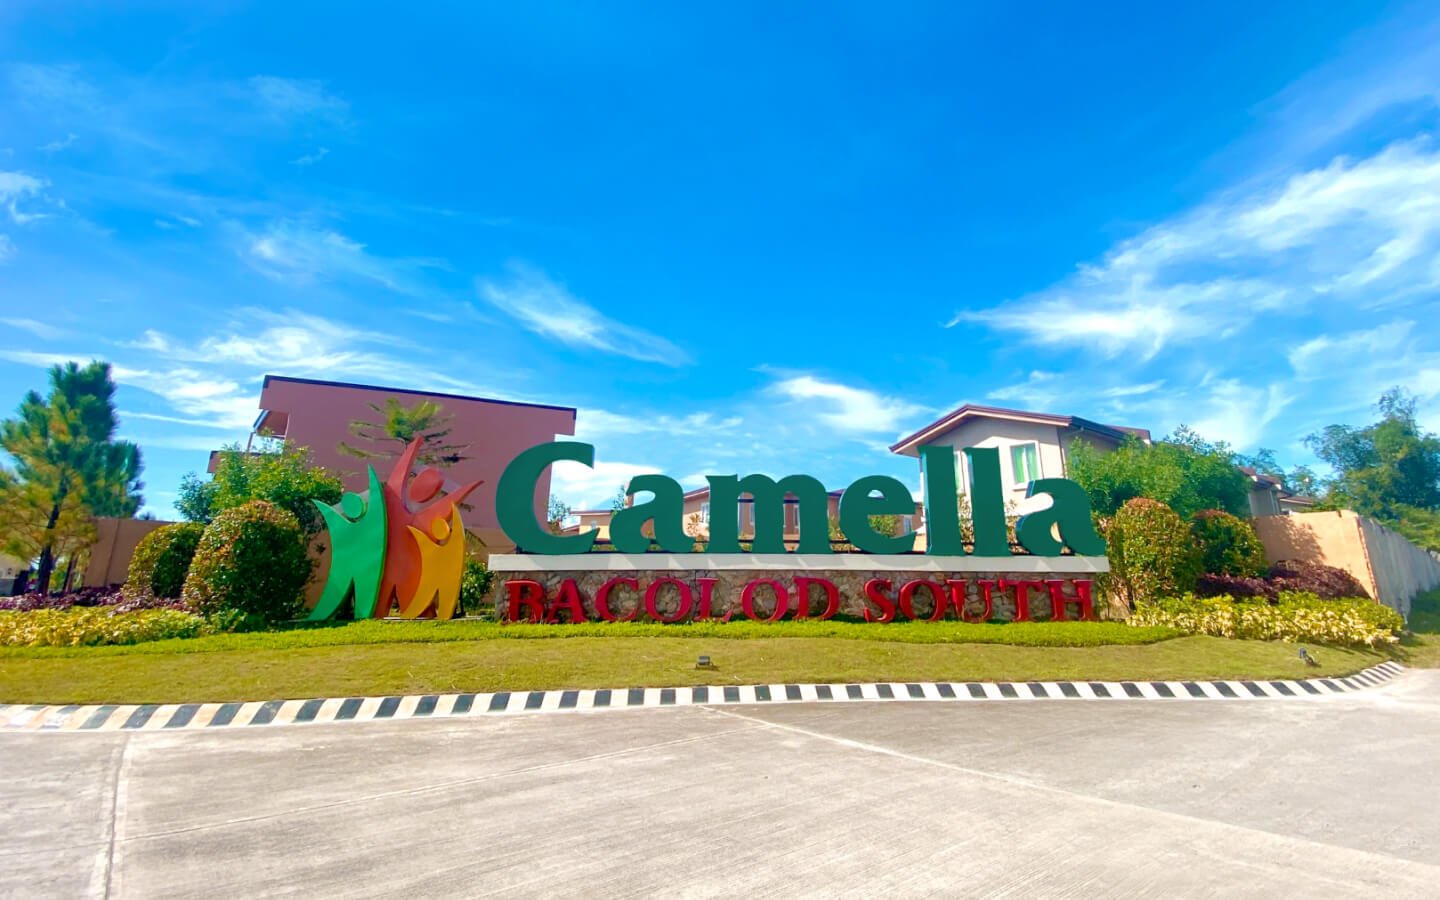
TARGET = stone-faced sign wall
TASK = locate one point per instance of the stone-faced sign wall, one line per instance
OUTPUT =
(625, 587)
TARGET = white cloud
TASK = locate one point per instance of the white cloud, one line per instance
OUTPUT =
(291, 98)
(1238, 412)
(310, 159)
(585, 488)
(846, 409)
(1039, 391)
(550, 310)
(15, 187)
(597, 423)
(57, 146)
(290, 251)
(7, 249)
(1354, 232)
(39, 329)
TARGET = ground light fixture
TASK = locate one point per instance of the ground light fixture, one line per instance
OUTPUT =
(704, 663)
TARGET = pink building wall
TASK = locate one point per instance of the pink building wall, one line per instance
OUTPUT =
(317, 415)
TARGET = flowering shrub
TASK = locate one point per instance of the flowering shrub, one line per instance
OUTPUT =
(1294, 617)
(1228, 544)
(161, 560)
(92, 626)
(251, 561)
(1151, 550)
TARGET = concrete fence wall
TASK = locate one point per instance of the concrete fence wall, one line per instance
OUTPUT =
(115, 541)
(1391, 568)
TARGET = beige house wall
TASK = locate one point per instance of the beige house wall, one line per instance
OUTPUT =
(114, 545)
(1391, 568)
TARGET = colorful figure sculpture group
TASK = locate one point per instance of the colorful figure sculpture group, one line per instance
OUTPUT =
(400, 546)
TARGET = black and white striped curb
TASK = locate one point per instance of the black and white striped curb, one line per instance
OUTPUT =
(178, 716)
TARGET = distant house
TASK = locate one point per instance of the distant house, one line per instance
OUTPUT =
(1268, 496)
(1032, 445)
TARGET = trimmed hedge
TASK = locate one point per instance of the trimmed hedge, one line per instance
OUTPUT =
(90, 626)
(250, 567)
(1228, 544)
(161, 562)
(1152, 552)
(1293, 617)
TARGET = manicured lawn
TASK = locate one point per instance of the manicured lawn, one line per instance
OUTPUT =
(317, 663)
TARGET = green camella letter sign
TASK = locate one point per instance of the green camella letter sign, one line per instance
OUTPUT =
(1046, 532)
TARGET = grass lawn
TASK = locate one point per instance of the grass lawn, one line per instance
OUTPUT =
(372, 658)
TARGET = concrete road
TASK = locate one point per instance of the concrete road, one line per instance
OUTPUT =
(1332, 796)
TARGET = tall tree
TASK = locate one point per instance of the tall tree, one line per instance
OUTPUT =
(67, 460)
(1389, 470)
(286, 477)
(1184, 471)
(397, 425)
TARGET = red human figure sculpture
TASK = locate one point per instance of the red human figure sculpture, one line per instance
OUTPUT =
(406, 507)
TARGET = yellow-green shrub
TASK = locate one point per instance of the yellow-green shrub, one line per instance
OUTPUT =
(1151, 551)
(251, 563)
(88, 626)
(1228, 544)
(161, 561)
(1296, 617)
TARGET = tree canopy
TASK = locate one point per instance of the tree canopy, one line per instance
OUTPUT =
(286, 478)
(68, 466)
(1388, 470)
(1184, 471)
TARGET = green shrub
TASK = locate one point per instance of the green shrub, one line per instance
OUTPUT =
(1151, 552)
(89, 626)
(1296, 617)
(252, 563)
(161, 561)
(474, 585)
(1228, 544)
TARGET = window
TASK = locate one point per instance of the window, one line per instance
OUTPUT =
(1025, 462)
(905, 522)
(705, 512)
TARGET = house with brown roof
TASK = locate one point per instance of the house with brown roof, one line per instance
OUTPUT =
(1032, 444)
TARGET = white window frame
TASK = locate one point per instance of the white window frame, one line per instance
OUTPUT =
(1015, 479)
(705, 512)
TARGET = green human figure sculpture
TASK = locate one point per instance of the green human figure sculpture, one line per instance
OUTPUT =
(357, 551)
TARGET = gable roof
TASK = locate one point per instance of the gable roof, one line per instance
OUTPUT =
(907, 446)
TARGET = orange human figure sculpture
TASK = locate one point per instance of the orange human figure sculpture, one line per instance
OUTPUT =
(442, 562)
(415, 505)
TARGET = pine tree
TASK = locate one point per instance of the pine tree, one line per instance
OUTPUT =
(68, 464)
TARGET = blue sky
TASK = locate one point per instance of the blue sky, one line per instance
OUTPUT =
(749, 237)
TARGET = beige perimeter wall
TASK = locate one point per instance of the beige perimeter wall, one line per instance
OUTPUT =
(1391, 568)
(115, 541)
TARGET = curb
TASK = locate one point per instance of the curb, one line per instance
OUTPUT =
(205, 716)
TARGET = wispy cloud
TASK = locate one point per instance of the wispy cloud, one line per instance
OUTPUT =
(310, 159)
(7, 249)
(292, 98)
(846, 409)
(549, 309)
(587, 488)
(18, 186)
(1362, 232)
(293, 251)
(39, 329)
(57, 146)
